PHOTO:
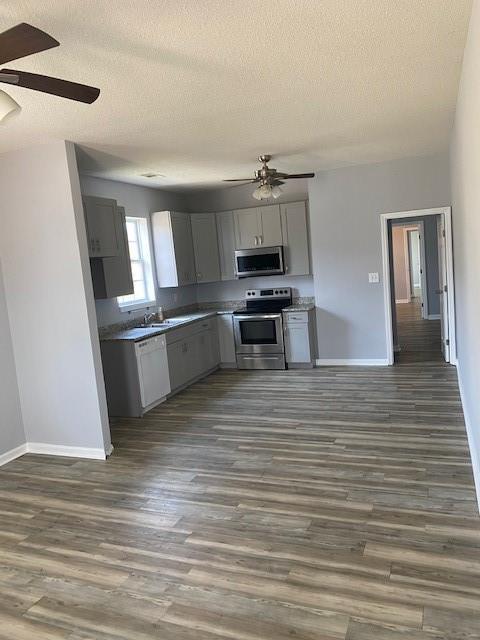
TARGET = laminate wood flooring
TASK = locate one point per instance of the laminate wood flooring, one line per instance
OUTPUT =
(329, 504)
(419, 340)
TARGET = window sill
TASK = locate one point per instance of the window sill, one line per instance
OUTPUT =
(136, 306)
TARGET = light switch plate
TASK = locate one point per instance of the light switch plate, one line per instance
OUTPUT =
(373, 278)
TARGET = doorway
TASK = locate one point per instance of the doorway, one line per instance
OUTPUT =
(418, 286)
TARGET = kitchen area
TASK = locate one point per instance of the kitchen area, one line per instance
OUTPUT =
(245, 261)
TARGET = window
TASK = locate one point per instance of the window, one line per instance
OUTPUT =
(141, 262)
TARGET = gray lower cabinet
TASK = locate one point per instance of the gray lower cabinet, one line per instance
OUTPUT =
(136, 375)
(299, 338)
(226, 340)
(192, 352)
(112, 277)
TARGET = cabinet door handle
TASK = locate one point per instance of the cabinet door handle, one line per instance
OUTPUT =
(261, 239)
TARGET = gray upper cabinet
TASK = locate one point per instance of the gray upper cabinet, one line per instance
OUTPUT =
(104, 229)
(295, 238)
(259, 226)
(173, 246)
(247, 228)
(226, 244)
(112, 276)
(271, 228)
(205, 245)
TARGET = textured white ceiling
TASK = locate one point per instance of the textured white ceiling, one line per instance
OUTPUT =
(195, 90)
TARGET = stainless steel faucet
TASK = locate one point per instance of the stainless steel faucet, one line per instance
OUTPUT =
(147, 317)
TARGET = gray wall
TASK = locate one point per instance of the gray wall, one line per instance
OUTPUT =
(345, 208)
(141, 202)
(11, 425)
(43, 270)
(465, 169)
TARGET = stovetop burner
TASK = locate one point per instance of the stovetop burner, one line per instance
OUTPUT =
(266, 300)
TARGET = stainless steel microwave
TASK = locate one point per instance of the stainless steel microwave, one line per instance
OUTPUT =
(261, 261)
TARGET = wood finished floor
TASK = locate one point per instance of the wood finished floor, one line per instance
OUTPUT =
(419, 340)
(316, 505)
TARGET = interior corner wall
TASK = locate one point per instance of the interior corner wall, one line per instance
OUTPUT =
(138, 201)
(345, 209)
(12, 434)
(465, 172)
(46, 300)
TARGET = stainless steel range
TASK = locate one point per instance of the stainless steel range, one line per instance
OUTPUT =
(258, 329)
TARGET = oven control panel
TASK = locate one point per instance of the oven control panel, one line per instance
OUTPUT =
(277, 292)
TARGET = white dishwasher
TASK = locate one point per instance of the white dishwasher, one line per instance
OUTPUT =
(152, 364)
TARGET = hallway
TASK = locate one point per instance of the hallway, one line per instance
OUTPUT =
(419, 340)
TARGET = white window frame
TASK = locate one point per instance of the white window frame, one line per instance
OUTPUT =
(145, 260)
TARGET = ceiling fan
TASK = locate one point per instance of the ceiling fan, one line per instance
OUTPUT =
(269, 179)
(23, 40)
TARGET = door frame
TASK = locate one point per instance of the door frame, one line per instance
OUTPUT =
(384, 218)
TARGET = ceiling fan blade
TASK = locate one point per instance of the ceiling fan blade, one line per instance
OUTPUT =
(55, 86)
(299, 175)
(23, 40)
(241, 180)
(276, 183)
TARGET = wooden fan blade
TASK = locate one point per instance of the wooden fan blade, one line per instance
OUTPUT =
(23, 40)
(240, 180)
(299, 175)
(55, 86)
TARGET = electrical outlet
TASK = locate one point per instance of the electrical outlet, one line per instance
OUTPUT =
(373, 278)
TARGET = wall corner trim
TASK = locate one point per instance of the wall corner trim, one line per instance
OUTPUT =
(349, 362)
(61, 450)
(474, 454)
(8, 456)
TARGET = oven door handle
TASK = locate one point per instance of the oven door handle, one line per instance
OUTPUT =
(259, 316)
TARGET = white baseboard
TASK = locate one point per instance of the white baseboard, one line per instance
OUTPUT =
(433, 316)
(348, 362)
(8, 456)
(474, 454)
(403, 301)
(61, 450)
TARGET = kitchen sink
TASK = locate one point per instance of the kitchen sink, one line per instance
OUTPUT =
(166, 323)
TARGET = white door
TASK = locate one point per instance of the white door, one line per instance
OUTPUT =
(247, 228)
(271, 228)
(204, 232)
(442, 289)
(415, 276)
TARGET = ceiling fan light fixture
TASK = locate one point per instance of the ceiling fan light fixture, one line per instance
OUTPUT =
(8, 106)
(276, 191)
(263, 192)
